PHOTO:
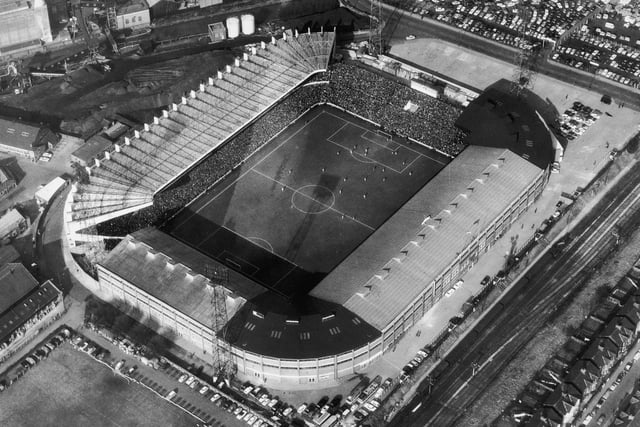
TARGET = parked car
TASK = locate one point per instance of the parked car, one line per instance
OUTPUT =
(172, 393)
(183, 378)
(215, 397)
(204, 389)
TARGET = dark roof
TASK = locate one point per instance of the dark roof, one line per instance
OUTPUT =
(631, 309)
(8, 254)
(26, 307)
(499, 119)
(132, 6)
(18, 134)
(582, 376)
(302, 329)
(94, 147)
(15, 283)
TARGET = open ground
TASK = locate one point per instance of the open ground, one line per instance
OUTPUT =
(304, 201)
(71, 389)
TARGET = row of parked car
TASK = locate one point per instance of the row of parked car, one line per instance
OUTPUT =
(40, 353)
(577, 119)
(503, 21)
(213, 394)
(410, 367)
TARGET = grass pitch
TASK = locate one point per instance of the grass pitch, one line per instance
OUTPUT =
(305, 200)
(71, 389)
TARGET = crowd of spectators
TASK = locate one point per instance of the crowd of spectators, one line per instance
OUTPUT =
(361, 91)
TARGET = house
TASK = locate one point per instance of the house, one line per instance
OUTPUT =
(12, 224)
(584, 378)
(602, 353)
(621, 332)
(631, 310)
(561, 407)
(26, 140)
(133, 14)
(7, 182)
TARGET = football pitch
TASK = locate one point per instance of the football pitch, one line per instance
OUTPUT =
(71, 389)
(299, 205)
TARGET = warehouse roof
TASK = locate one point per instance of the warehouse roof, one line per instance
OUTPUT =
(400, 259)
(172, 272)
(272, 326)
(15, 283)
(94, 147)
(18, 134)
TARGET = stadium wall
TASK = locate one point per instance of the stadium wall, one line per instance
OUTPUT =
(156, 314)
(182, 328)
(464, 262)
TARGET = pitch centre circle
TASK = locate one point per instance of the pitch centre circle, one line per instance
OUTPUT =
(313, 199)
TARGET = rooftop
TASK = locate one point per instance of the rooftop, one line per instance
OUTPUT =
(498, 119)
(15, 283)
(132, 6)
(26, 307)
(18, 134)
(94, 147)
(400, 259)
(9, 221)
(173, 272)
(309, 328)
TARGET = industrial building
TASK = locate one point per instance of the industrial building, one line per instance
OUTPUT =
(23, 25)
(25, 307)
(133, 14)
(24, 139)
(361, 308)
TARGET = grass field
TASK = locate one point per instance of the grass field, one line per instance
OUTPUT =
(71, 389)
(309, 197)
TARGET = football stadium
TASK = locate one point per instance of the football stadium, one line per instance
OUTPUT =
(292, 211)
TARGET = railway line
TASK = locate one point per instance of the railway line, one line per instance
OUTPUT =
(475, 362)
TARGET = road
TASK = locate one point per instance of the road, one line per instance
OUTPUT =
(521, 313)
(399, 25)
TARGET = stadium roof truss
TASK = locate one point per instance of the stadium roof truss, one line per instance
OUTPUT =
(126, 179)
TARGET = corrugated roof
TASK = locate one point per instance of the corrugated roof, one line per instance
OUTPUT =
(389, 270)
(15, 283)
(172, 272)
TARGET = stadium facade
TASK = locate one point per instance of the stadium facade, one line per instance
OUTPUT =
(366, 304)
